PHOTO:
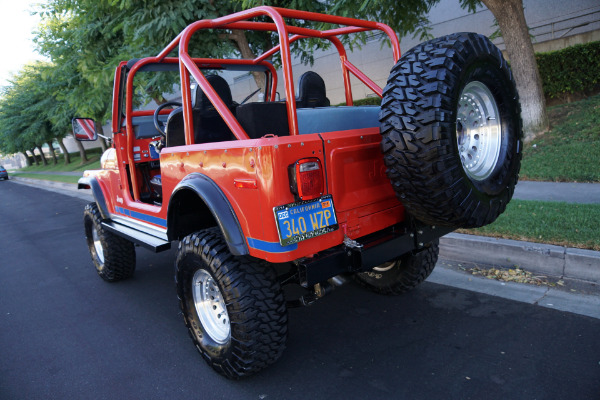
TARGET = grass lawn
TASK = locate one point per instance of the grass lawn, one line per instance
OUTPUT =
(570, 152)
(571, 225)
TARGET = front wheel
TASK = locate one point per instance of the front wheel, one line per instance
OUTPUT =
(451, 127)
(403, 274)
(233, 306)
(113, 256)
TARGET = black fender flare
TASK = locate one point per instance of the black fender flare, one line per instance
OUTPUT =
(220, 207)
(90, 182)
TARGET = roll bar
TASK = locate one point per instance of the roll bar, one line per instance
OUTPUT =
(242, 20)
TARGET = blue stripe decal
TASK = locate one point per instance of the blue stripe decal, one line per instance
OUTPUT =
(143, 217)
(271, 247)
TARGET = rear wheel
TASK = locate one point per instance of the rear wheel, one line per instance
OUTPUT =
(233, 306)
(113, 256)
(451, 126)
(403, 274)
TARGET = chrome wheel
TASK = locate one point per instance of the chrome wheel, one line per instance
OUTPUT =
(210, 307)
(385, 266)
(478, 131)
(98, 245)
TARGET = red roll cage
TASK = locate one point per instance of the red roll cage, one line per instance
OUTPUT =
(189, 66)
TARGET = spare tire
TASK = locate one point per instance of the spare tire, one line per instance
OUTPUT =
(452, 131)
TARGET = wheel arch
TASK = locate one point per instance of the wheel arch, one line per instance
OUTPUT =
(197, 203)
(90, 182)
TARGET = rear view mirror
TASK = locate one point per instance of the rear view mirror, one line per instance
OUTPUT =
(84, 129)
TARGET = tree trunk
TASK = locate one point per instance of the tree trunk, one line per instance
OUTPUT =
(27, 158)
(52, 153)
(44, 161)
(511, 20)
(241, 42)
(35, 160)
(64, 150)
(103, 144)
(82, 154)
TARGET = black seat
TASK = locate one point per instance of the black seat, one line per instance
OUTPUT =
(311, 91)
(260, 119)
(208, 124)
(174, 128)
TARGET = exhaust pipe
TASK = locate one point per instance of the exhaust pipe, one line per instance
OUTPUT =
(322, 289)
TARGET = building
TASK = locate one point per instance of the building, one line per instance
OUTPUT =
(554, 24)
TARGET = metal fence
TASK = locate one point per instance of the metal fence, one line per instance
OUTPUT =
(571, 24)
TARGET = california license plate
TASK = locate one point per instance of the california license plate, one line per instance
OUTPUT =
(304, 220)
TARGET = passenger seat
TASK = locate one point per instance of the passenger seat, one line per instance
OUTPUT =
(311, 91)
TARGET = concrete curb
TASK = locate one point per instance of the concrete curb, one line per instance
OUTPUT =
(539, 258)
(69, 189)
(542, 296)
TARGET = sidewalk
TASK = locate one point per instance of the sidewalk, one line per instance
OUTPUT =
(72, 173)
(569, 192)
(538, 258)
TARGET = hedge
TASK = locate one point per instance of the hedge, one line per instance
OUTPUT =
(571, 70)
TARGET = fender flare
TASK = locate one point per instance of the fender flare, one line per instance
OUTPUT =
(220, 207)
(90, 182)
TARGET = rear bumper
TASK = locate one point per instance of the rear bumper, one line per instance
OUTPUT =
(367, 252)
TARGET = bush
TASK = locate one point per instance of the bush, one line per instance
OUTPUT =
(575, 69)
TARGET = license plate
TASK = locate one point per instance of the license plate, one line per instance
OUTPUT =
(304, 220)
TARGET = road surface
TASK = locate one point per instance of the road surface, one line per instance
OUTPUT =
(66, 334)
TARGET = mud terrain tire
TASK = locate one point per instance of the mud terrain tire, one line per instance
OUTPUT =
(402, 275)
(233, 306)
(452, 131)
(113, 256)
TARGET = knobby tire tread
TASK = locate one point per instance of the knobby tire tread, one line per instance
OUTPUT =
(417, 123)
(119, 253)
(256, 305)
(408, 272)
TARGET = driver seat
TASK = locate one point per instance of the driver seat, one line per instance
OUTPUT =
(208, 124)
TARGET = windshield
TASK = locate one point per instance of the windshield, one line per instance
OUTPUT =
(155, 84)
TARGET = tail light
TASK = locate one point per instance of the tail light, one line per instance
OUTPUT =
(306, 178)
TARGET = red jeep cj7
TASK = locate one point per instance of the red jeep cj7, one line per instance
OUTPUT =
(262, 194)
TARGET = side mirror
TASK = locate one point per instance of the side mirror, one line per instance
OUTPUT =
(84, 129)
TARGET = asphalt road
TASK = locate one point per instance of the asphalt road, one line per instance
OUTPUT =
(66, 334)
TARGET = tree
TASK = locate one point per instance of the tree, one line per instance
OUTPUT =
(27, 109)
(410, 17)
(16, 122)
(63, 84)
(511, 20)
(90, 37)
(95, 35)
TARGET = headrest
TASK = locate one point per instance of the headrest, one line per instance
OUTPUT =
(311, 91)
(220, 85)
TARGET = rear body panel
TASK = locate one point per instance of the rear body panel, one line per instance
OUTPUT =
(355, 177)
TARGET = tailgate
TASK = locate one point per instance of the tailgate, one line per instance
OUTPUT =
(364, 199)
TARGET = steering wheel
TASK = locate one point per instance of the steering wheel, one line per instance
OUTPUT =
(249, 96)
(157, 124)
